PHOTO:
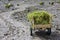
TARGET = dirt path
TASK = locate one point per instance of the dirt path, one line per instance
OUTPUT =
(18, 30)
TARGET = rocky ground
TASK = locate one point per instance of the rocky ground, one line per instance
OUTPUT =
(14, 25)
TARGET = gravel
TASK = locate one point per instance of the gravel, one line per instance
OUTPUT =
(14, 24)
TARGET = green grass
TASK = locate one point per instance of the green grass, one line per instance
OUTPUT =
(8, 5)
(41, 3)
(40, 17)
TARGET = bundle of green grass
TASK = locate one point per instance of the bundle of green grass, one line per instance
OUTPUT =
(39, 17)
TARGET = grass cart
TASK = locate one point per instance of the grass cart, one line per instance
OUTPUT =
(40, 20)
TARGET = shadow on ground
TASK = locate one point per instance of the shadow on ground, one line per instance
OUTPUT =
(43, 36)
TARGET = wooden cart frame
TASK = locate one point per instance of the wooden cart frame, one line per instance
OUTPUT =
(40, 27)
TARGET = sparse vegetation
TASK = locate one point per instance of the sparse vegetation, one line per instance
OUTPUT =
(51, 3)
(40, 17)
(58, 1)
(8, 5)
(41, 3)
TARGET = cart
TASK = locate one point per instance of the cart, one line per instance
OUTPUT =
(44, 27)
(40, 20)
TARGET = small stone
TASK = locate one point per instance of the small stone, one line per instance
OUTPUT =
(12, 39)
(17, 20)
(28, 10)
(6, 34)
(17, 4)
(13, 9)
(55, 16)
(20, 19)
(15, 17)
(21, 16)
(23, 31)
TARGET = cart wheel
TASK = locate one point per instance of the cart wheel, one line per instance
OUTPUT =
(31, 32)
(49, 31)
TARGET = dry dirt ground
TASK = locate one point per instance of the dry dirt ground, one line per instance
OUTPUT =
(14, 25)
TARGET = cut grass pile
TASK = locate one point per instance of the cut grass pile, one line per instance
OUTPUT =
(39, 17)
